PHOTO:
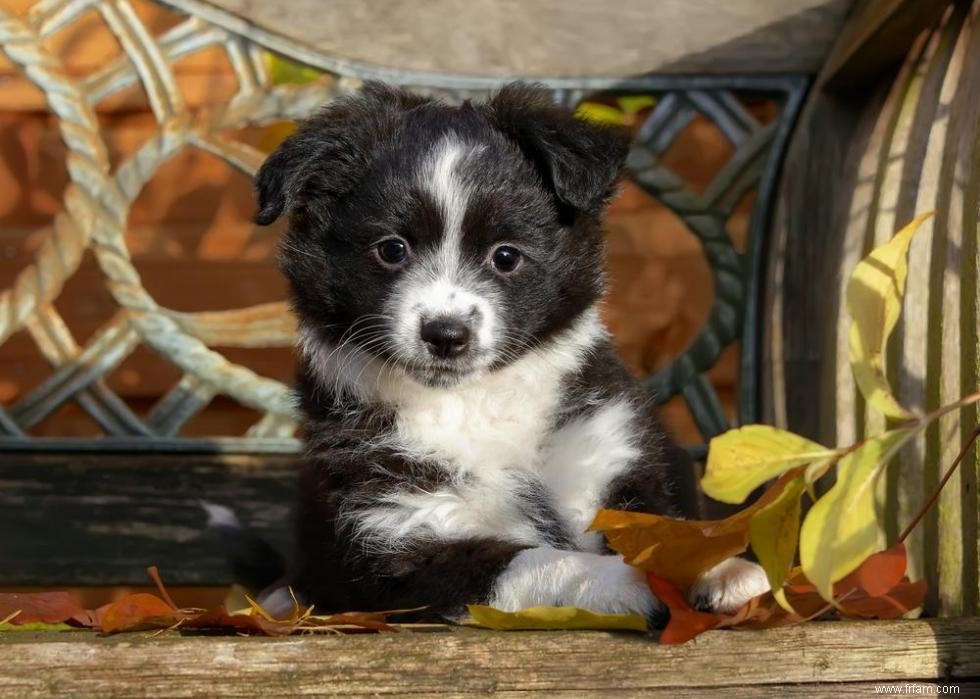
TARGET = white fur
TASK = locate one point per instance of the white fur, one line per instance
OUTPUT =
(730, 584)
(438, 286)
(488, 432)
(219, 515)
(481, 508)
(495, 420)
(583, 457)
(440, 178)
(546, 576)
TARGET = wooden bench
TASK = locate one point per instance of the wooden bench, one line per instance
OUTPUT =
(872, 146)
(816, 660)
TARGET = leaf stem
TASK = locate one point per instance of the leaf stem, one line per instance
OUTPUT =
(154, 574)
(942, 483)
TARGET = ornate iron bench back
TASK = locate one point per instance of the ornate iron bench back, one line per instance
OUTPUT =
(99, 196)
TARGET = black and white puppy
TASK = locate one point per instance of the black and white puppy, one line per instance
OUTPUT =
(465, 411)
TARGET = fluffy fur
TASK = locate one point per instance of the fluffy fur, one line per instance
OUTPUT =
(466, 414)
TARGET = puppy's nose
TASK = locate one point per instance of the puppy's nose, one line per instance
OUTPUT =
(445, 337)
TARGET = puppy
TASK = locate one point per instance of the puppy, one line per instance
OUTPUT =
(465, 412)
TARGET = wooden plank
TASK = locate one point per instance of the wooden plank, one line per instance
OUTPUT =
(99, 519)
(852, 655)
(877, 35)
(542, 38)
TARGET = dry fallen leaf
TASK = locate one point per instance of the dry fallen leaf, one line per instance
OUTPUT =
(137, 612)
(554, 618)
(682, 550)
(19, 608)
(142, 611)
(876, 590)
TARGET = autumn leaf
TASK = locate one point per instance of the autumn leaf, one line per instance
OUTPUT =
(741, 460)
(880, 572)
(632, 105)
(774, 532)
(685, 622)
(681, 550)
(553, 618)
(283, 71)
(141, 610)
(841, 529)
(599, 113)
(19, 608)
(874, 301)
(876, 590)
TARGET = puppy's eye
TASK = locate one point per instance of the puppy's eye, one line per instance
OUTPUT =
(392, 251)
(505, 259)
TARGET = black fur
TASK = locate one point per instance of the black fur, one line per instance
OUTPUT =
(540, 178)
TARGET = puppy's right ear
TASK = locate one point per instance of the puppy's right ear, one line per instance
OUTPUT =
(325, 156)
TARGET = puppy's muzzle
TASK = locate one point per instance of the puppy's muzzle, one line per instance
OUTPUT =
(445, 338)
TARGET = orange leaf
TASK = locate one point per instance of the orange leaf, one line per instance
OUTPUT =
(138, 611)
(681, 550)
(876, 590)
(879, 573)
(900, 600)
(38, 607)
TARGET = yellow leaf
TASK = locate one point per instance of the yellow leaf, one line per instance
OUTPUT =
(741, 460)
(601, 113)
(774, 532)
(841, 530)
(545, 618)
(36, 626)
(283, 71)
(874, 301)
(634, 104)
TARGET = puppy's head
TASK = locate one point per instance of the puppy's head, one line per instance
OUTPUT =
(445, 241)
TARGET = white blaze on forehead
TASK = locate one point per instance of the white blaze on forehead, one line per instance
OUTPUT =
(439, 285)
(441, 179)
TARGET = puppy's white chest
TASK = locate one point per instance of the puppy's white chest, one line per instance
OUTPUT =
(496, 423)
(583, 458)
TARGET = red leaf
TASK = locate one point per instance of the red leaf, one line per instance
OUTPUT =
(879, 573)
(685, 621)
(900, 600)
(876, 590)
(43, 607)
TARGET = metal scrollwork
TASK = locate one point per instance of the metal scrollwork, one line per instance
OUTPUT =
(98, 198)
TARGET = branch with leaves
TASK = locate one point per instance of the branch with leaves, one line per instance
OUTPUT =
(845, 568)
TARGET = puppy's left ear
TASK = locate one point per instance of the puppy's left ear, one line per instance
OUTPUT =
(579, 160)
(322, 159)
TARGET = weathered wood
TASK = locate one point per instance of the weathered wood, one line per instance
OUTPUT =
(853, 656)
(543, 38)
(862, 164)
(877, 34)
(99, 519)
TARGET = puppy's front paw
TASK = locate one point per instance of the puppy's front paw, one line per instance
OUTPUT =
(619, 588)
(600, 583)
(729, 585)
